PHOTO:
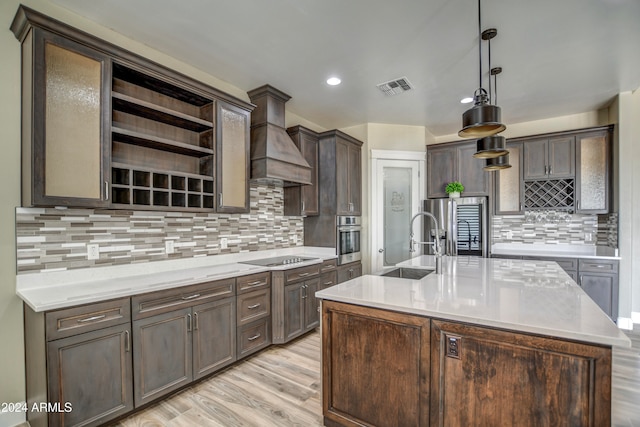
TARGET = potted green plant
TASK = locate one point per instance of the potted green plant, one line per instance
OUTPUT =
(454, 189)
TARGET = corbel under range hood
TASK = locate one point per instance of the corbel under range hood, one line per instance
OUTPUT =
(274, 155)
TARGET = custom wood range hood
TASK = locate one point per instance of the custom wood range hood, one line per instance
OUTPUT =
(274, 156)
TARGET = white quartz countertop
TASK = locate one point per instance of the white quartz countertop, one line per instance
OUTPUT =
(525, 296)
(555, 251)
(62, 289)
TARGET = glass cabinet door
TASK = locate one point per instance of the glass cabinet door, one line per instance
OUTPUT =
(592, 177)
(233, 158)
(68, 126)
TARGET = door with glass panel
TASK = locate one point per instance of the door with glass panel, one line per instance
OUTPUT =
(398, 199)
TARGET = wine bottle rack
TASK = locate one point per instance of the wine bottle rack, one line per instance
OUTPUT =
(556, 194)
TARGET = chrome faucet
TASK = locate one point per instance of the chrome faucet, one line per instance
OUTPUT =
(437, 248)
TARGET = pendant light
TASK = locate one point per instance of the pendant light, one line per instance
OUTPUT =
(494, 145)
(483, 119)
(502, 160)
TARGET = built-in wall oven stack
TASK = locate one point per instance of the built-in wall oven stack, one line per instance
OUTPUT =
(348, 230)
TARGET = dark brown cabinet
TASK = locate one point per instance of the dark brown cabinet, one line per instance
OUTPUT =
(454, 161)
(509, 186)
(232, 164)
(599, 279)
(340, 174)
(162, 354)
(418, 371)
(85, 366)
(549, 158)
(141, 136)
(349, 271)
(55, 124)
(593, 176)
(375, 367)
(180, 335)
(253, 313)
(295, 307)
(303, 199)
(478, 376)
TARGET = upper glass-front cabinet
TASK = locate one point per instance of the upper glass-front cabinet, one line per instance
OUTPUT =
(233, 158)
(65, 125)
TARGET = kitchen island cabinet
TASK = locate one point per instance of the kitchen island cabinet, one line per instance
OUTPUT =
(510, 343)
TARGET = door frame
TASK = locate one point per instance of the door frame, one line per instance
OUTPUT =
(376, 199)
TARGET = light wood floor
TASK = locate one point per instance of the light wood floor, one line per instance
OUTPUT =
(281, 387)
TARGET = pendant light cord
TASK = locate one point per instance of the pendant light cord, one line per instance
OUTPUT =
(489, 41)
(480, 43)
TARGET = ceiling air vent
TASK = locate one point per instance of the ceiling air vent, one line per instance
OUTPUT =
(395, 87)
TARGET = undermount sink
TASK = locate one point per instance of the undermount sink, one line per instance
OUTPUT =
(407, 273)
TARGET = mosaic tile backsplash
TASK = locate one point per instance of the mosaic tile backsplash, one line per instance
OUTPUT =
(581, 229)
(55, 239)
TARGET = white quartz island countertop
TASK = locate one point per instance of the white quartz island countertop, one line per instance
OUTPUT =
(535, 297)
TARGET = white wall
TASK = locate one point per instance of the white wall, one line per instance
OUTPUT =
(628, 181)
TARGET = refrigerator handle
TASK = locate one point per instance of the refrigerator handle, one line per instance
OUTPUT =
(453, 229)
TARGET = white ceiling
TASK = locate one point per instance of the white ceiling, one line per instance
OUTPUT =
(559, 57)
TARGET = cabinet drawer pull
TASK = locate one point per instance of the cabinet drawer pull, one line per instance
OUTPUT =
(191, 297)
(329, 267)
(127, 344)
(303, 274)
(253, 338)
(92, 319)
(256, 283)
(251, 307)
(328, 283)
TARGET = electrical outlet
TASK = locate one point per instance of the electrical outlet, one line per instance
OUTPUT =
(93, 251)
(169, 246)
(294, 239)
(224, 243)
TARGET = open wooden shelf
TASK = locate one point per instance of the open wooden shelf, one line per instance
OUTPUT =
(159, 143)
(129, 104)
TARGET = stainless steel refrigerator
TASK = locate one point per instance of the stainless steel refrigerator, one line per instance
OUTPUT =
(462, 223)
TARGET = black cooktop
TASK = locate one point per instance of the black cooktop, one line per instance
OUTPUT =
(279, 261)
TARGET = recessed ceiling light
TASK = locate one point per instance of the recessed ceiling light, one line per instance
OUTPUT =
(333, 81)
(466, 100)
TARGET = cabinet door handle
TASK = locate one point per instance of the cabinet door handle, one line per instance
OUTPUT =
(196, 323)
(578, 203)
(188, 323)
(520, 206)
(549, 169)
(303, 206)
(190, 297)
(251, 307)
(106, 190)
(219, 199)
(127, 343)
(253, 338)
(580, 281)
(92, 318)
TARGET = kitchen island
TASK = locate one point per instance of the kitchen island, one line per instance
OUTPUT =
(489, 342)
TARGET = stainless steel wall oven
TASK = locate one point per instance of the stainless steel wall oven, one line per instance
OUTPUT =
(348, 231)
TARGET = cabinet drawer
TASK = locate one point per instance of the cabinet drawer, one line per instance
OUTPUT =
(253, 337)
(174, 299)
(253, 306)
(567, 264)
(598, 265)
(77, 320)
(328, 279)
(253, 282)
(328, 265)
(302, 273)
